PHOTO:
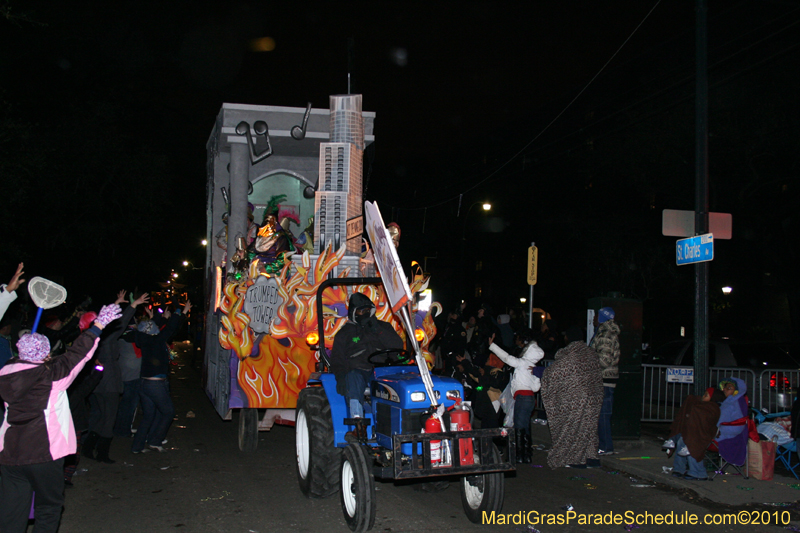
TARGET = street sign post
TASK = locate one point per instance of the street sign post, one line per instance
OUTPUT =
(533, 260)
(696, 249)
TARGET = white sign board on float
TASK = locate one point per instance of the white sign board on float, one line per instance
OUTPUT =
(394, 280)
(261, 303)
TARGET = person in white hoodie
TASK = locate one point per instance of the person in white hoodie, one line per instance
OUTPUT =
(523, 386)
(8, 292)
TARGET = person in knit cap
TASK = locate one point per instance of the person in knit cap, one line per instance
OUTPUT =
(606, 344)
(37, 431)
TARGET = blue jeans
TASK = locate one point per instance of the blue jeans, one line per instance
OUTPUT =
(157, 414)
(355, 384)
(523, 407)
(687, 465)
(127, 408)
(604, 424)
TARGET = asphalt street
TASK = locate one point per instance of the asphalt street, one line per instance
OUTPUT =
(203, 483)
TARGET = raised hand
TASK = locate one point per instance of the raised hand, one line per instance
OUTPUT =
(143, 299)
(120, 297)
(187, 307)
(108, 314)
(16, 281)
(149, 312)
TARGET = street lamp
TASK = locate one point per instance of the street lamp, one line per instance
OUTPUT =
(204, 242)
(486, 206)
(726, 290)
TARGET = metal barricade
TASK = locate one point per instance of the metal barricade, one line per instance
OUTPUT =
(661, 399)
(777, 388)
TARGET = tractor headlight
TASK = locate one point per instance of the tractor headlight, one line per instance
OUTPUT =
(417, 396)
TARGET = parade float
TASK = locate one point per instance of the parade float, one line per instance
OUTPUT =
(285, 213)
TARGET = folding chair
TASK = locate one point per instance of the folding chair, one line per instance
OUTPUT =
(785, 453)
(717, 458)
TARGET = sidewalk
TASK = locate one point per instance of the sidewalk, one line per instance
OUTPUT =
(644, 459)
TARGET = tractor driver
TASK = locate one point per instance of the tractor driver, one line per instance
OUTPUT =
(361, 336)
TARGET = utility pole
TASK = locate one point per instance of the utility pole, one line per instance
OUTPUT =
(701, 374)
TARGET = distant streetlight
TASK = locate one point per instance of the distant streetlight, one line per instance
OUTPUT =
(186, 263)
(204, 242)
(523, 300)
(174, 274)
(726, 290)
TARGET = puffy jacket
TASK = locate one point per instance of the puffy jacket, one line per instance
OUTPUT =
(522, 379)
(606, 344)
(38, 425)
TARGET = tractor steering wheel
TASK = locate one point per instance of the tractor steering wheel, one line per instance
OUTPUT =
(390, 357)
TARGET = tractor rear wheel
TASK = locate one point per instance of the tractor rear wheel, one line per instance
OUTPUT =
(318, 460)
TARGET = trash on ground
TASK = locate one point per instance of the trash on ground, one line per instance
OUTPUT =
(589, 486)
(224, 493)
(575, 477)
(536, 466)
(630, 527)
(164, 467)
(190, 414)
(568, 507)
(642, 486)
(666, 469)
(743, 488)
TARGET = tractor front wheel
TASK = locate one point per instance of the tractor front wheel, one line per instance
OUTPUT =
(357, 489)
(483, 492)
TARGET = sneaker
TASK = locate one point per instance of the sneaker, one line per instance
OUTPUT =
(604, 453)
(164, 441)
(141, 451)
(134, 430)
(156, 448)
(540, 421)
(576, 466)
(684, 452)
(669, 443)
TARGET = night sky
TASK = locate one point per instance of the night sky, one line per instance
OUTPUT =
(575, 119)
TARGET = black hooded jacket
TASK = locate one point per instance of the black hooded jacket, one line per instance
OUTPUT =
(355, 342)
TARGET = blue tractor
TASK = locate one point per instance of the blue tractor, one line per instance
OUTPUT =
(401, 400)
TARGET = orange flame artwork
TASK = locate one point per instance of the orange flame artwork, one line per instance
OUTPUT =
(274, 367)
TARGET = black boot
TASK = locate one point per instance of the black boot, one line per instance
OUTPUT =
(89, 443)
(525, 453)
(103, 446)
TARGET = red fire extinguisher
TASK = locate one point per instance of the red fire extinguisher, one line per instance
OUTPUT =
(459, 421)
(434, 425)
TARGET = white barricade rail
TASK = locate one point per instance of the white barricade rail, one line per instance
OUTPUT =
(661, 399)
